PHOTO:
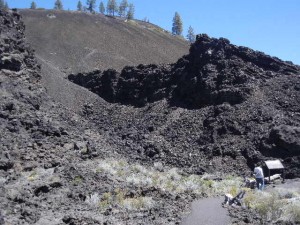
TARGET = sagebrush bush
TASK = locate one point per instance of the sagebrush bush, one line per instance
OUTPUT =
(138, 203)
(93, 199)
(269, 207)
(293, 212)
(275, 205)
(249, 198)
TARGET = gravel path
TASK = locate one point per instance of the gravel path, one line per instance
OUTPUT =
(289, 184)
(208, 211)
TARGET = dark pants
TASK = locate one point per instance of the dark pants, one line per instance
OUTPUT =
(260, 183)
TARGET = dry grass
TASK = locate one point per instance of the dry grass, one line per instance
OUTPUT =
(172, 180)
(118, 199)
(279, 204)
(293, 212)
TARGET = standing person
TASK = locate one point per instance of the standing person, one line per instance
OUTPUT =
(259, 176)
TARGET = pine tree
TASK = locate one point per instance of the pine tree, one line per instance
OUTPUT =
(112, 7)
(122, 8)
(191, 37)
(79, 6)
(6, 7)
(108, 7)
(91, 4)
(33, 5)
(58, 5)
(2, 4)
(101, 8)
(177, 24)
(130, 13)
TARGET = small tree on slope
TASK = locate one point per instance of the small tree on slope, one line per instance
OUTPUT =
(191, 37)
(91, 4)
(177, 24)
(130, 13)
(112, 7)
(33, 5)
(122, 8)
(6, 6)
(79, 6)
(58, 5)
(2, 4)
(101, 8)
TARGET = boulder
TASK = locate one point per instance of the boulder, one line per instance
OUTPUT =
(287, 139)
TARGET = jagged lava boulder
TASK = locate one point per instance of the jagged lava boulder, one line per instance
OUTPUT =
(216, 71)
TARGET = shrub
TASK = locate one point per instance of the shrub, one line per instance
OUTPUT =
(138, 203)
(106, 201)
(293, 212)
(33, 176)
(249, 198)
(93, 199)
(288, 193)
(269, 206)
(233, 191)
(120, 196)
(77, 180)
(208, 183)
(103, 205)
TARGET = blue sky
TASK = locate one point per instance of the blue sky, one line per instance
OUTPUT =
(271, 26)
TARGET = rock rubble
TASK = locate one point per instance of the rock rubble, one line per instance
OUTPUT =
(220, 108)
(221, 103)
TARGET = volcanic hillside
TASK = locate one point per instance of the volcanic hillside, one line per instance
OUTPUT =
(75, 42)
(142, 141)
(220, 105)
(68, 42)
(50, 157)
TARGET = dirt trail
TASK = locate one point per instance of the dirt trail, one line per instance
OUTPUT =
(208, 211)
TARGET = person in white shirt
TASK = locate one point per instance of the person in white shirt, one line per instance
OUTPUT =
(259, 176)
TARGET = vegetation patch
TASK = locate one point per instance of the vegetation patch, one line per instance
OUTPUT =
(77, 180)
(119, 199)
(40, 174)
(275, 206)
(33, 176)
(172, 180)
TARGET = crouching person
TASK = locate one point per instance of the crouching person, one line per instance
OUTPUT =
(234, 201)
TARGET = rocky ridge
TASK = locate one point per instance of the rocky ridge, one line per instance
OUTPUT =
(214, 72)
(219, 102)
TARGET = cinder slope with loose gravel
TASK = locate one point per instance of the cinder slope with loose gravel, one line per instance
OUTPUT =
(73, 41)
(68, 42)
